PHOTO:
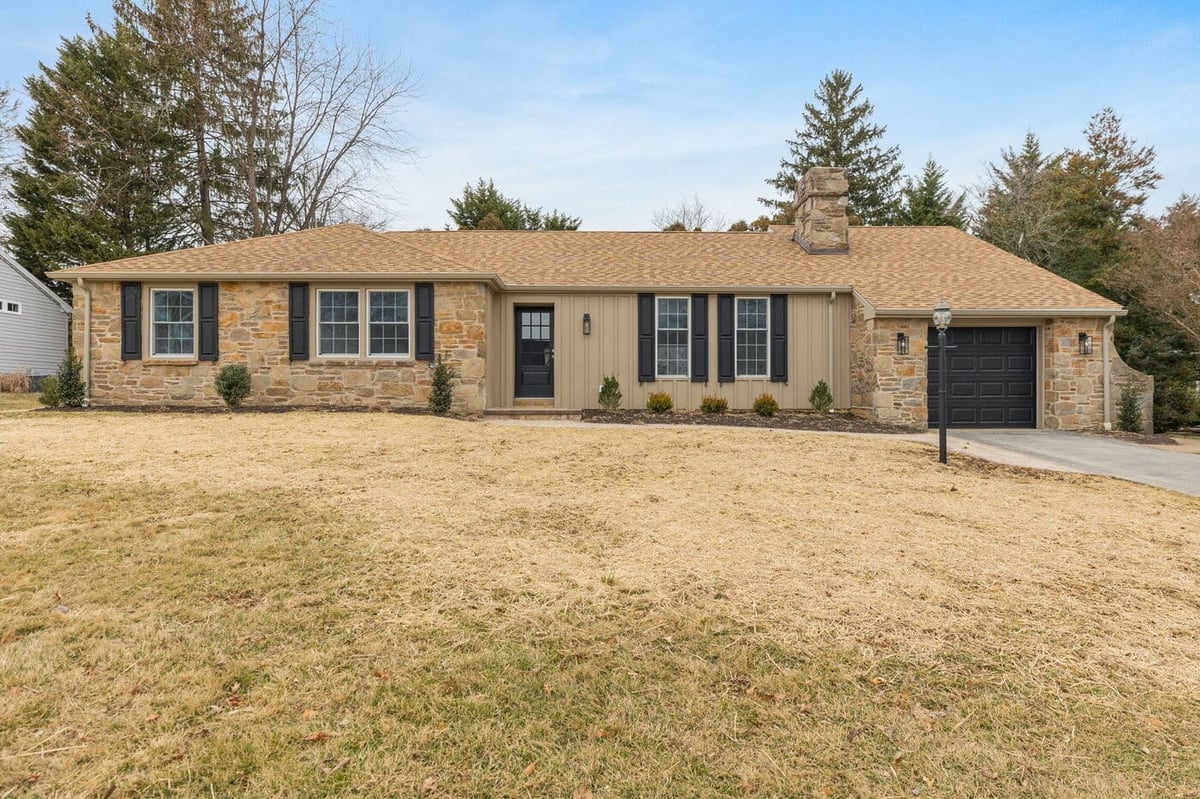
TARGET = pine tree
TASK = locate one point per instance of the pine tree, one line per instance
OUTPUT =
(838, 131)
(483, 207)
(1019, 205)
(101, 163)
(198, 51)
(929, 201)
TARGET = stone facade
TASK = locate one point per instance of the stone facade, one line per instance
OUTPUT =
(885, 385)
(890, 387)
(253, 329)
(1073, 384)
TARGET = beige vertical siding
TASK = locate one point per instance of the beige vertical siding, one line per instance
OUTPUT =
(581, 362)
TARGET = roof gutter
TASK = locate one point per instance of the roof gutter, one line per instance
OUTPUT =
(490, 278)
(1018, 313)
(285, 277)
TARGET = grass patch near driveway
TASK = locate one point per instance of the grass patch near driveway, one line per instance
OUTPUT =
(378, 605)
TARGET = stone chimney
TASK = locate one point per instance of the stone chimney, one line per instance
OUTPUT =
(821, 199)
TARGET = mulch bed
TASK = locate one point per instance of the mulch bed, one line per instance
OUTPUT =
(784, 420)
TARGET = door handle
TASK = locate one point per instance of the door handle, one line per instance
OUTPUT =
(549, 353)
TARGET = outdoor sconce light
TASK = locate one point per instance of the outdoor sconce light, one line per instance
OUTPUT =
(901, 344)
(587, 324)
(1085, 344)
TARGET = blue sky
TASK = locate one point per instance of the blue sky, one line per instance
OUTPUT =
(609, 110)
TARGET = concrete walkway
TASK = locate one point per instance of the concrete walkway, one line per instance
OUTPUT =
(1076, 452)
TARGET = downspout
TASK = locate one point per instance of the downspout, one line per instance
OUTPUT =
(1104, 345)
(87, 338)
(832, 300)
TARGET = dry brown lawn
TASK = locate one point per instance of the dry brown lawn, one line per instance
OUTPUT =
(318, 604)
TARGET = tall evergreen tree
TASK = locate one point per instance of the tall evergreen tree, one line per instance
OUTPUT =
(839, 131)
(929, 201)
(483, 207)
(198, 49)
(102, 160)
(1019, 205)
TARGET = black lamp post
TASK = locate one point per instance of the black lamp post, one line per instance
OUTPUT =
(941, 320)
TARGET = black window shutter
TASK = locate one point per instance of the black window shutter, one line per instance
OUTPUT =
(424, 322)
(131, 321)
(699, 338)
(725, 338)
(645, 349)
(298, 321)
(779, 325)
(209, 350)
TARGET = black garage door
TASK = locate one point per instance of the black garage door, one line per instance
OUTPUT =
(990, 377)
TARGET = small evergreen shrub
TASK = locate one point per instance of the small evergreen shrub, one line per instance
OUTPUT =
(71, 390)
(820, 398)
(441, 395)
(766, 405)
(49, 396)
(610, 393)
(713, 404)
(1129, 417)
(1176, 405)
(659, 402)
(233, 384)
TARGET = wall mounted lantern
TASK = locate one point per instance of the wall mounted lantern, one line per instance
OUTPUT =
(1085, 344)
(901, 344)
(587, 324)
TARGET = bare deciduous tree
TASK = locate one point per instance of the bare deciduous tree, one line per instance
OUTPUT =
(312, 121)
(8, 156)
(688, 214)
(1162, 269)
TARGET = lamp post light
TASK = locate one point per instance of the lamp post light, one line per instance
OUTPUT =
(941, 320)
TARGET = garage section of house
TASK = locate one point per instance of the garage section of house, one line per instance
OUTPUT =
(991, 376)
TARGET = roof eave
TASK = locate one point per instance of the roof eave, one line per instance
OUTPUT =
(1017, 313)
(493, 279)
(599, 288)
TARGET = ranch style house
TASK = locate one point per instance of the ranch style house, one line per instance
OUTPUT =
(345, 316)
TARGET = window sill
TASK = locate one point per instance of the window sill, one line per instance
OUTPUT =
(171, 360)
(363, 360)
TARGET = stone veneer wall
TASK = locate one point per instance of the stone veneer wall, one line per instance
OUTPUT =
(1073, 384)
(253, 329)
(885, 385)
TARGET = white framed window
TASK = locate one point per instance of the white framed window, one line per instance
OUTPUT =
(672, 334)
(751, 342)
(354, 322)
(388, 326)
(172, 323)
(337, 322)
(11, 307)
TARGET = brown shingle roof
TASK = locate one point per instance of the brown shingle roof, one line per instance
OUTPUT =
(894, 268)
(342, 249)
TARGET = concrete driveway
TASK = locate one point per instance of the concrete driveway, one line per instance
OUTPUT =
(1076, 452)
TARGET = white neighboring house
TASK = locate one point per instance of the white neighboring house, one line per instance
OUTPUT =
(34, 322)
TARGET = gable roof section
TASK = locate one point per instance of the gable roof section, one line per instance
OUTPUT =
(7, 260)
(897, 270)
